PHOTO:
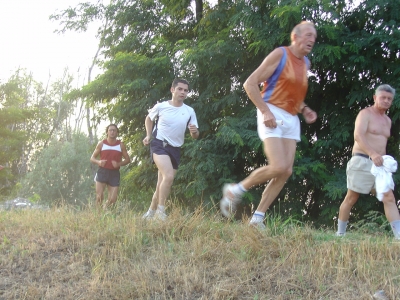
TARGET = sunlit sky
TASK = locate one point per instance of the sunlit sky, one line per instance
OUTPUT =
(28, 41)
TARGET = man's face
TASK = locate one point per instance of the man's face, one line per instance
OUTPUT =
(112, 132)
(180, 91)
(383, 100)
(306, 39)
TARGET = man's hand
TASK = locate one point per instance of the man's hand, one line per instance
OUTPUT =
(146, 140)
(193, 129)
(309, 115)
(377, 159)
(269, 119)
(102, 163)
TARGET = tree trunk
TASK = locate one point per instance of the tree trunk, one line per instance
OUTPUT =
(199, 10)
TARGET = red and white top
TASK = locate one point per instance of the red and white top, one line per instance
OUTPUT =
(111, 152)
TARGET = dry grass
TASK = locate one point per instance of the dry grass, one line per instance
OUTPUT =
(67, 254)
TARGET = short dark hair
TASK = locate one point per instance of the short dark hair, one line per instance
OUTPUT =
(112, 125)
(179, 80)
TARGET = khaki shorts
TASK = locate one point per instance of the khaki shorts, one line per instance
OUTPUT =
(359, 176)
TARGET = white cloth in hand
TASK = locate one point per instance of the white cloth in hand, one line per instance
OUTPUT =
(383, 176)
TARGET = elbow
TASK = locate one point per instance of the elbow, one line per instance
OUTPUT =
(246, 85)
(250, 86)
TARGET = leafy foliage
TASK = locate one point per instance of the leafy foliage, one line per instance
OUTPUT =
(148, 43)
(61, 173)
(31, 114)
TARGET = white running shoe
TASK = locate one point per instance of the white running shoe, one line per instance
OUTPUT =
(159, 215)
(148, 215)
(258, 225)
(380, 295)
(340, 234)
(229, 201)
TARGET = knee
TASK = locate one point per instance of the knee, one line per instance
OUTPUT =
(349, 201)
(168, 178)
(388, 198)
(283, 171)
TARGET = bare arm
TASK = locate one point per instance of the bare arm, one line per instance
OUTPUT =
(262, 73)
(95, 154)
(148, 123)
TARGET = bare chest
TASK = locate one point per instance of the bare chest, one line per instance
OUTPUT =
(379, 126)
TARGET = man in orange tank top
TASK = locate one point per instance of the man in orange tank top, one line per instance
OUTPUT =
(111, 152)
(283, 74)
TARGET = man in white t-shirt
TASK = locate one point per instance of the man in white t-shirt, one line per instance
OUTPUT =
(172, 117)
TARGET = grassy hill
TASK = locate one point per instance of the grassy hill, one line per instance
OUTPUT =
(68, 254)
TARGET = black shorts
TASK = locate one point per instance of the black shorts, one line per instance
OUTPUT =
(160, 148)
(110, 177)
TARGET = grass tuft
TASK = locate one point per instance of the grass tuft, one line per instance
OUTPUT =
(88, 254)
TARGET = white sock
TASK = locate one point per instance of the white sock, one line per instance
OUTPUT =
(238, 189)
(161, 208)
(151, 212)
(396, 228)
(342, 225)
(257, 217)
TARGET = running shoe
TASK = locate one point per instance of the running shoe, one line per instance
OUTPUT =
(229, 201)
(159, 215)
(148, 215)
(258, 225)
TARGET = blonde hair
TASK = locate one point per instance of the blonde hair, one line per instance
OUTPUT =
(297, 29)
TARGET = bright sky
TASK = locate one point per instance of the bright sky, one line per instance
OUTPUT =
(28, 41)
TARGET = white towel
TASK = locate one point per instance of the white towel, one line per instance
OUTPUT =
(383, 176)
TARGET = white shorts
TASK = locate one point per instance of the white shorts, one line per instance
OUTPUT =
(289, 129)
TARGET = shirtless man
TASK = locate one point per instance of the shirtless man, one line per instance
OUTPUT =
(371, 132)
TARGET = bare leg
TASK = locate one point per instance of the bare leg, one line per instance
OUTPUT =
(99, 193)
(389, 204)
(168, 173)
(112, 195)
(280, 154)
(154, 200)
(347, 204)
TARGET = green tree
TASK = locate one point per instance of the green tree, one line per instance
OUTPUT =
(61, 172)
(216, 47)
(22, 116)
(30, 115)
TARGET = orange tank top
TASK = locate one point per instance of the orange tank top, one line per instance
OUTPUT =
(287, 87)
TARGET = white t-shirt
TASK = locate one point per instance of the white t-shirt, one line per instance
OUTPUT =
(172, 122)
